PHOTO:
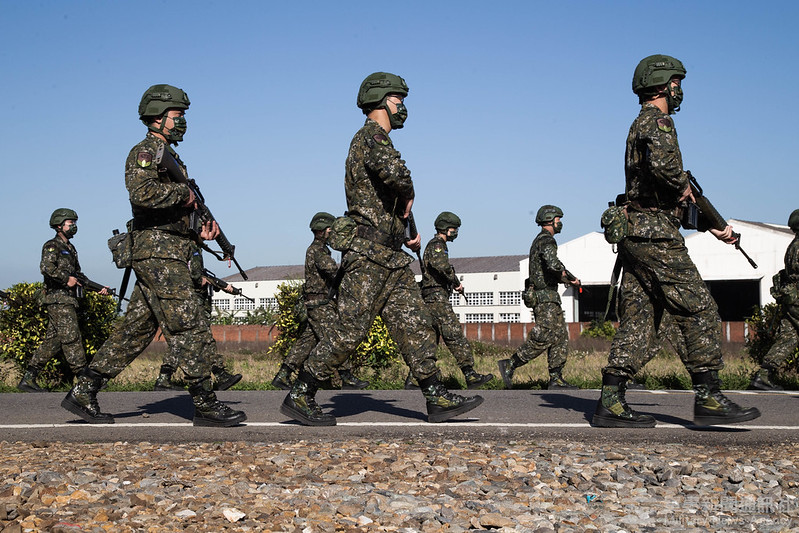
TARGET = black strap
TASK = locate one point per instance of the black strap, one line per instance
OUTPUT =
(614, 278)
(123, 288)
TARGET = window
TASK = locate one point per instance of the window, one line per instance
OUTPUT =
(267, 303)
(510, 298)
(455, 299)
(223, 304)
(479, 298)
(510, 317)
(243, 304)
(473, 318)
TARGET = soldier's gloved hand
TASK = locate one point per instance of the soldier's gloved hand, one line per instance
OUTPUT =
(725, 236)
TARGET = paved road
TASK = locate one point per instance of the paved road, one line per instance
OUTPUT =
(513, 414)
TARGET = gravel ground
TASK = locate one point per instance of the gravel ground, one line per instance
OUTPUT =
(396, 485)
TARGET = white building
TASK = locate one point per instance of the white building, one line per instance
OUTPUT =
(494, 284)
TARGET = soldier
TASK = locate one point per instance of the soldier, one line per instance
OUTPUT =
(376, 277)
(320, 274)
(786, 292)
(222, 379)
(549, 334)
(438, 282)
(659, 276)
(163, 242)
(61, 270)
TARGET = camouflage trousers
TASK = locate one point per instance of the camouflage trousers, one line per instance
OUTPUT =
(447, 326)
(549, 334)
(208, 351)
(659, 277)
(786, 341)
(63, 334)
(164, 296)
(320, 318)
(366, 291)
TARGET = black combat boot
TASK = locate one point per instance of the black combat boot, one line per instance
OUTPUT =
(506, 369)
(282, 379)
(350, 381)
(763, 379)
(612, 410)
(28, 381)
(711, 407)
(223, 379)
(208, 411)
(409, 384)
(301, 405)
(164, 380)
(442, 404)
(82, 399)
(556, 381)
(475, 380)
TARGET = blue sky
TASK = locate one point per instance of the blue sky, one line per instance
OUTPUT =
(512, 105)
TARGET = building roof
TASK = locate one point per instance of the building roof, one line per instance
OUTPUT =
(463, 265)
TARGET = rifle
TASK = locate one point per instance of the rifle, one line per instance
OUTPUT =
(86, 284)
(708, 217)
(165, 159)
(221, 285)
(572, 277)
(410, 234)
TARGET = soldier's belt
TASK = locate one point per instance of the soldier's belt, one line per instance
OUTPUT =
(369, 233)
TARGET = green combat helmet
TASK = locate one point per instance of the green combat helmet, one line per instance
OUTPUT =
(321, 221)
(547, 213)
(656, 70)
(793, 221)
(376, 87)
(447, 220)
(159, 98)
(60, 215)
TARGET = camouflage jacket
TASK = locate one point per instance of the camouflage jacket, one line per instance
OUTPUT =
(792, 261)
(545, 268)
(654, 175)
(59, 262)
(377, 184)
(320, 269)
(439, 274)
(160, 220)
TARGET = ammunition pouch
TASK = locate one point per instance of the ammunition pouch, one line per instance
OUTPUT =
(121, 246)
(784, 291)
(529, 296)
(342, 233)
(614, 224)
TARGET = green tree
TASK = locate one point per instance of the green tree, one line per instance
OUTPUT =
(600, 330)
(23, 323)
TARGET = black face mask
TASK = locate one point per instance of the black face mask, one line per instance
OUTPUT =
(397, 120)
(673, 98)
(452, 234)
(71, 231)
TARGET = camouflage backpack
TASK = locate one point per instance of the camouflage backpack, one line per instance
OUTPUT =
(342, 233)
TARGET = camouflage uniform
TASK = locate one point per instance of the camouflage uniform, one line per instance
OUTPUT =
(787, 338)
(438, 280)
(59, 262)
(320, 272)
(209, 350)
(659, 277)
(658, 273)
(377, 279)
(165, 292)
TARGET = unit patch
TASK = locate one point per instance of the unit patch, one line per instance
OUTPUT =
(144, 159)
(665, 124)
(382, 139)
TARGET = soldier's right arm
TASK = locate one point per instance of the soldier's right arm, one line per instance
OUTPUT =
(386, 162)
(664, 156)
(144, 187)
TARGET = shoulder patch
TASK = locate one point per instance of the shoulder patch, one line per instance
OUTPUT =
(144, 159)
(381, 139)
(438, 249)
(665, 124)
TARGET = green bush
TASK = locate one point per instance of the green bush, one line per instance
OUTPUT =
(600, 330)
(377, 351)
(23, 324)
(763, 326)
